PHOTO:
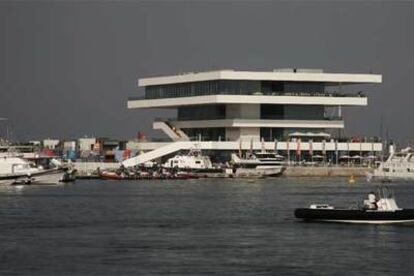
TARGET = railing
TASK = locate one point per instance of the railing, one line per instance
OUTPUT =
(326, 118)
(192, 119)
(298, 94)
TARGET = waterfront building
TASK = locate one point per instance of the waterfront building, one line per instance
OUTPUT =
(69, 145)
(297, 110)
(35, 143)
(86, 144)
(51, 143)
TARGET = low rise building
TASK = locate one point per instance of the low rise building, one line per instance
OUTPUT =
(51, 144)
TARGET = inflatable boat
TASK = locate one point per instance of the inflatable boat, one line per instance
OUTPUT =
(380, 208)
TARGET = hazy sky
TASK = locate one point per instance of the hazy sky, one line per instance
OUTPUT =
(67, 68)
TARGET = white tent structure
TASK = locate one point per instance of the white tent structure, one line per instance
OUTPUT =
(310, 134)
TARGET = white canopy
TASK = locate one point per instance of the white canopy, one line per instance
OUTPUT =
(344, 157)
(356, 157)
(309, 134)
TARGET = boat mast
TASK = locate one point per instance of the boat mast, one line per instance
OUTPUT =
(7, 132)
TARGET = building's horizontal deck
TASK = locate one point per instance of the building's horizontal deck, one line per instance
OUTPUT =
(327, 100)
(334, 78)
(259, 123)
(246, 144)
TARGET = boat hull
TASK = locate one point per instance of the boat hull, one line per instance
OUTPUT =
(113, 176)
(260, 171)
(356, 216)
(47, 177)
(393, 176)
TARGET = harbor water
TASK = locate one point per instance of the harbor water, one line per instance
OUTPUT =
(205, 226)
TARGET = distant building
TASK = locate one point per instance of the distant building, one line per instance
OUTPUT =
(86, 144)
(35, 142)
(69, 145)
(227, 110)
(51, 143)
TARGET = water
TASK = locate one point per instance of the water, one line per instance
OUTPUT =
(208, 226)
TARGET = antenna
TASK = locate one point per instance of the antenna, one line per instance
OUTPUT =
(7, 128)
(381, 125)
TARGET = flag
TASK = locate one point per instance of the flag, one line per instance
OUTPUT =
(275, 146)
(323, 147)
(240, 148)
(263, 145)
(310, 147)
(298, 150)
(288, 150)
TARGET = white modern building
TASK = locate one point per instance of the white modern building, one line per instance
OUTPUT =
(228, 110)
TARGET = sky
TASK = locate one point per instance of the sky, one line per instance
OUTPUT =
(68, 67)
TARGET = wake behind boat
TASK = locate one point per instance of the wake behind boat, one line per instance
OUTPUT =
(377, 209)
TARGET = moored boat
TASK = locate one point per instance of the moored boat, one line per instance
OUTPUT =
(377, 209)
(185, 175)
(398, 166)
(112, 175)
(15, 170)
(258, 165)
(194, 162)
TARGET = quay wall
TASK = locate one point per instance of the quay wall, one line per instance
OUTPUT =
(86, 168)
(298, 171)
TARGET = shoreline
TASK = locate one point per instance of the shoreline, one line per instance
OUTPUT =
(85, 170)
(336, 171)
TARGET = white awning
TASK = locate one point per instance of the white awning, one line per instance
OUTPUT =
(309, 134)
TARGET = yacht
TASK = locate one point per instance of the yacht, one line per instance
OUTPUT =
(193, 161)
(16, 170)
(399, 165)
(258, 164)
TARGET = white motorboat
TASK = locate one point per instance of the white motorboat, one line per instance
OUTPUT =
(398, 166)
(16, 170)
(193, 161)
(260, 164)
